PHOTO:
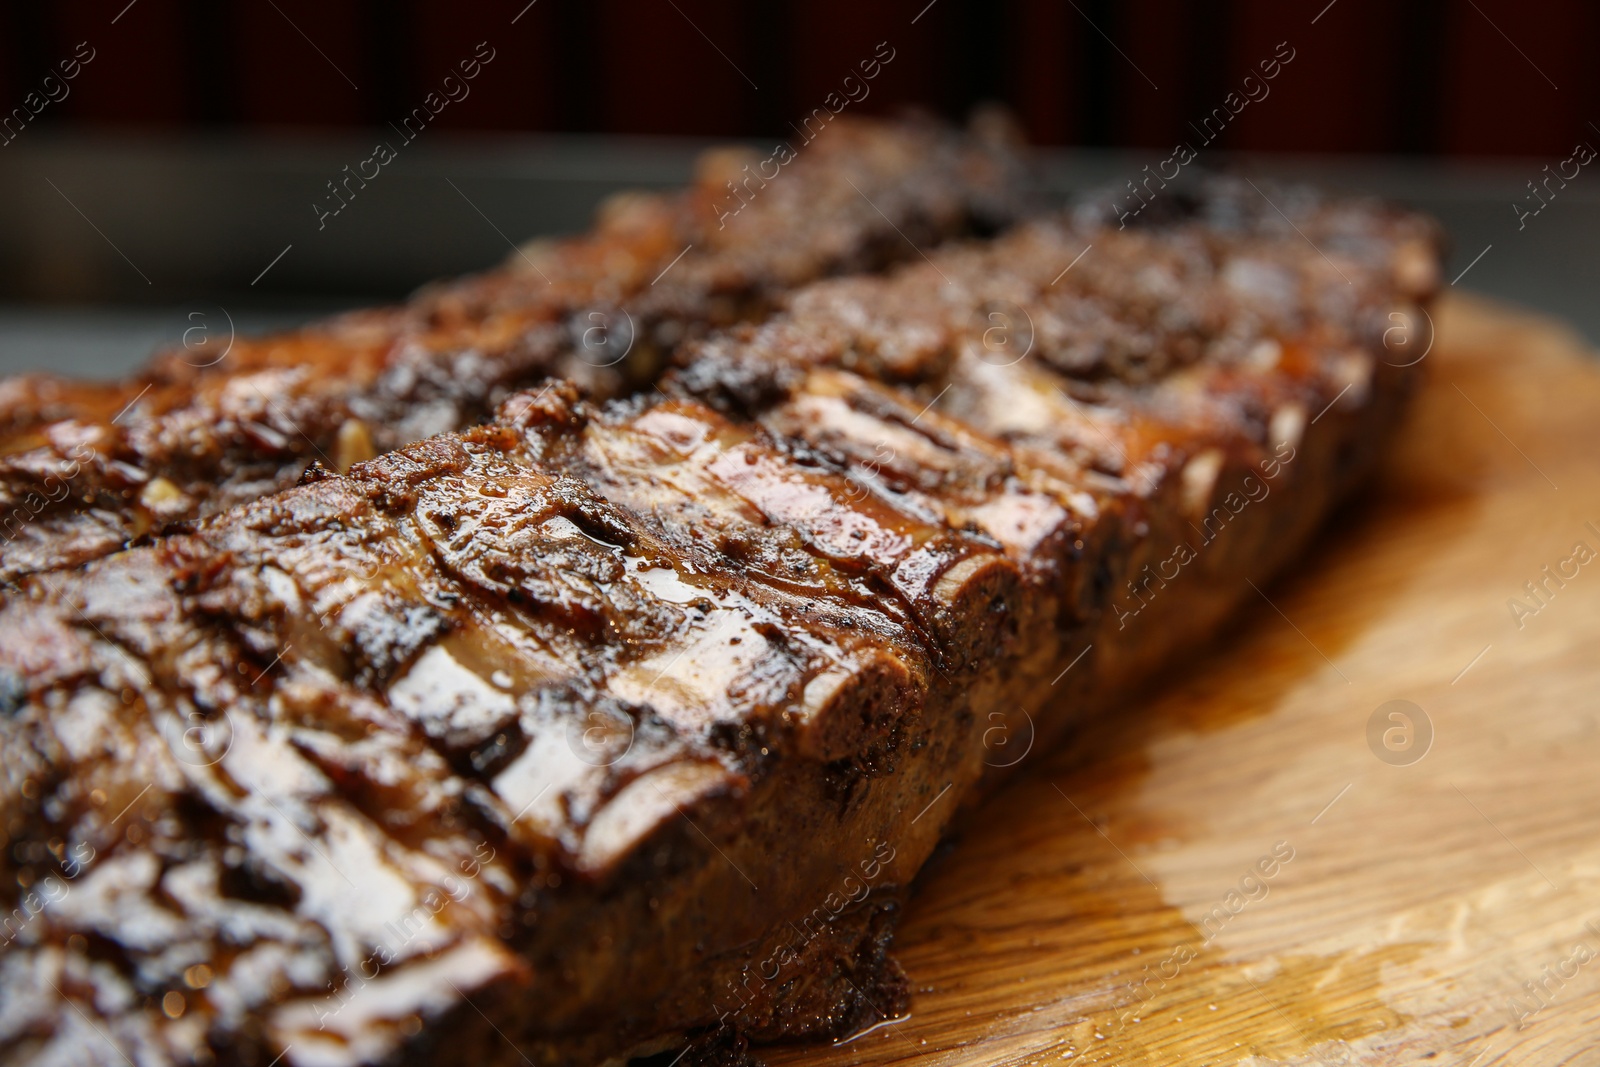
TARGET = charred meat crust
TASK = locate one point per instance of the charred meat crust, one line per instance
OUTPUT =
(609, 725)
(86, 467)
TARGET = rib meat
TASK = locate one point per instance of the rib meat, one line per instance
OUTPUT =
(606, 726)
(85, 468)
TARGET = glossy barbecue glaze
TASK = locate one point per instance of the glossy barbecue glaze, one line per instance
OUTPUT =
(86, 467)
(604, 723)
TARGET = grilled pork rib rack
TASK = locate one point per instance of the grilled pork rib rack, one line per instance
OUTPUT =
(609, 725)
(85, 467)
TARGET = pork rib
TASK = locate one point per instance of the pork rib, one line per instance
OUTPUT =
(606, 726)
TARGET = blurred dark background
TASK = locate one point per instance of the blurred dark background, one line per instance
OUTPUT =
(187, 149)
(1449, 77)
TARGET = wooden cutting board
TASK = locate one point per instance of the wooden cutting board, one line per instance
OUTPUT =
(1409, 899)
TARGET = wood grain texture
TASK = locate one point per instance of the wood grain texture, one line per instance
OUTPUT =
(1419, 898)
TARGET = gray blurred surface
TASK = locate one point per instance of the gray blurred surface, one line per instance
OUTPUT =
(106, 340)
(113, 247)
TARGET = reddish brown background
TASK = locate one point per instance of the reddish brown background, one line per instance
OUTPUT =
(1449, 77)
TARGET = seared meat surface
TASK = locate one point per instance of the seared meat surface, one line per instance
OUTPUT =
(611, 724)
(86, 467)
